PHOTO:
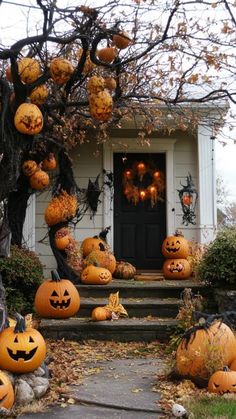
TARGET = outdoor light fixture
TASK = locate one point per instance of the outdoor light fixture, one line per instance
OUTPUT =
(188, 196)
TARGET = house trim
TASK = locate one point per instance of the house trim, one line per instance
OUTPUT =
(165, 146)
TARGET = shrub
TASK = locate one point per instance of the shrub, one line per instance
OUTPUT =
(21, 273)
(218, 264)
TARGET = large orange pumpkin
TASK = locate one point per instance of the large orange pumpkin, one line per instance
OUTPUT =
(223, 381)
(176, 269)
(92, 243)
(6, 391)
(39, 180)
(175, 247)
(57, 298)
(22, 349)
(61, 70)
(95, 275)
(193, 357)
(103, 259)
(28, 119)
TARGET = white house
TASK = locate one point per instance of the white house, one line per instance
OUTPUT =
(137, 231)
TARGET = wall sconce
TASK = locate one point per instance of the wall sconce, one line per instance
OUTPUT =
(188, 196)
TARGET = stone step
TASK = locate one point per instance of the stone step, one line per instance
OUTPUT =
(122, 330)
(136, 307)
(142, 289)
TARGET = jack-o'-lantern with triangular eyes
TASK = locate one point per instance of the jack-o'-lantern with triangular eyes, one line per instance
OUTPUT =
(175, 247)
(22, 349)
(222, 382)
(57, 298)
(176, 269)
(6, 391)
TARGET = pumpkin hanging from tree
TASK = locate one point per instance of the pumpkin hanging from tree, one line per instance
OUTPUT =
(39, 180)
(57, 298)
(28, 119)
(22, 349)
(29, 167)
(6, 391)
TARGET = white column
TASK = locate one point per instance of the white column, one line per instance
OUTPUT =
(207, 184)
(29, 224)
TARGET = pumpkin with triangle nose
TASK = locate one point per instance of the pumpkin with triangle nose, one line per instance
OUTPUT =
(22, 349)
(6, 391)
(57, 298)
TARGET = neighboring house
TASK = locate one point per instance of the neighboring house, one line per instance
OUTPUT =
(137, 231)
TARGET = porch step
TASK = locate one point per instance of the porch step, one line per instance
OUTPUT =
(136, 307)
(122, 330)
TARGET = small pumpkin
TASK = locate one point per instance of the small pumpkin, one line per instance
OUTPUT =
(100, 106)
(28, 119)
(110, 83)
(57, 298)
(39, 95)
(175, 247)
(29, 167)
(61, 70)
(176, 269)
(29, 70)
(121, 40)
(22, 349)
(95, 275)
(92, 243)
(39, 180)
(95, 84)
(49, 163)
(223, 381)
(192, 356)
(100, 314)
(7, 395)
(103, 259)
(107, 55)
(62, 238)
(89, 66)
(124, 270)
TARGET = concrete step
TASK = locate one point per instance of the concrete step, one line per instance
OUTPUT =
(136, 307)
(122, 330)
(142, 289)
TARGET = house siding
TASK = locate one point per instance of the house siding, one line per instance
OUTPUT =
(88, 163)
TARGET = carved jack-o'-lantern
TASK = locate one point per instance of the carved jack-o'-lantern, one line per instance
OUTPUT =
(222, 382)
(61, 70)
(57, 298)
(6, 391)
(174, 247)
(22, 349)
(95, 275)
(39, 95)
(29, 167)
(29, 70)
(28, 119)
(39, 180)
(176, 269)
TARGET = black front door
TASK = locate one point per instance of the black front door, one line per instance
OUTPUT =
(139, 228)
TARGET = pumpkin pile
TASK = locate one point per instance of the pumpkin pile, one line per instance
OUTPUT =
(176, 249)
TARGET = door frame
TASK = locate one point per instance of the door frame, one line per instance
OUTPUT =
(128, 145)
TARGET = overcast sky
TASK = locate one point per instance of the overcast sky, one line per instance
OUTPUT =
(13, 27)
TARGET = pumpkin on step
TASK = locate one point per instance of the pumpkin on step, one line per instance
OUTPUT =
(95, 275)
(22, 349)
(176, 269)
(223, 381)
(100, 314)
(103, 259)
(124, 270)
(57, 298)
(175, 247)
(92, 243)
(6, 391)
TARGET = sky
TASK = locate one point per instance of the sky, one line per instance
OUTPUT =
(13, 27)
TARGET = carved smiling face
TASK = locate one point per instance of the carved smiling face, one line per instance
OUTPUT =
(95, 275)
(28, 119)
(222, 382)
(21, 351)
(175, 247)
(176, 269)
(57, 298)
(6, 391)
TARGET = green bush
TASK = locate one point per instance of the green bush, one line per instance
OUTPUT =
(218, 265)
(21, 273)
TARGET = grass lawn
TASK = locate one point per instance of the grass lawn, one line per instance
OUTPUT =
(217, 407)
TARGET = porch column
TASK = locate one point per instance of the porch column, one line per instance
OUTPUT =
(207, 184)
(29, 224)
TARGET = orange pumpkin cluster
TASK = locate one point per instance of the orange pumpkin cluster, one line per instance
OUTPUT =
(176, 249)
(61, 208)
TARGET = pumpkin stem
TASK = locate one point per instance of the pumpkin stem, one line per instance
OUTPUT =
(178, 233)
(20, 323)
(55, 276)
(225, 369)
